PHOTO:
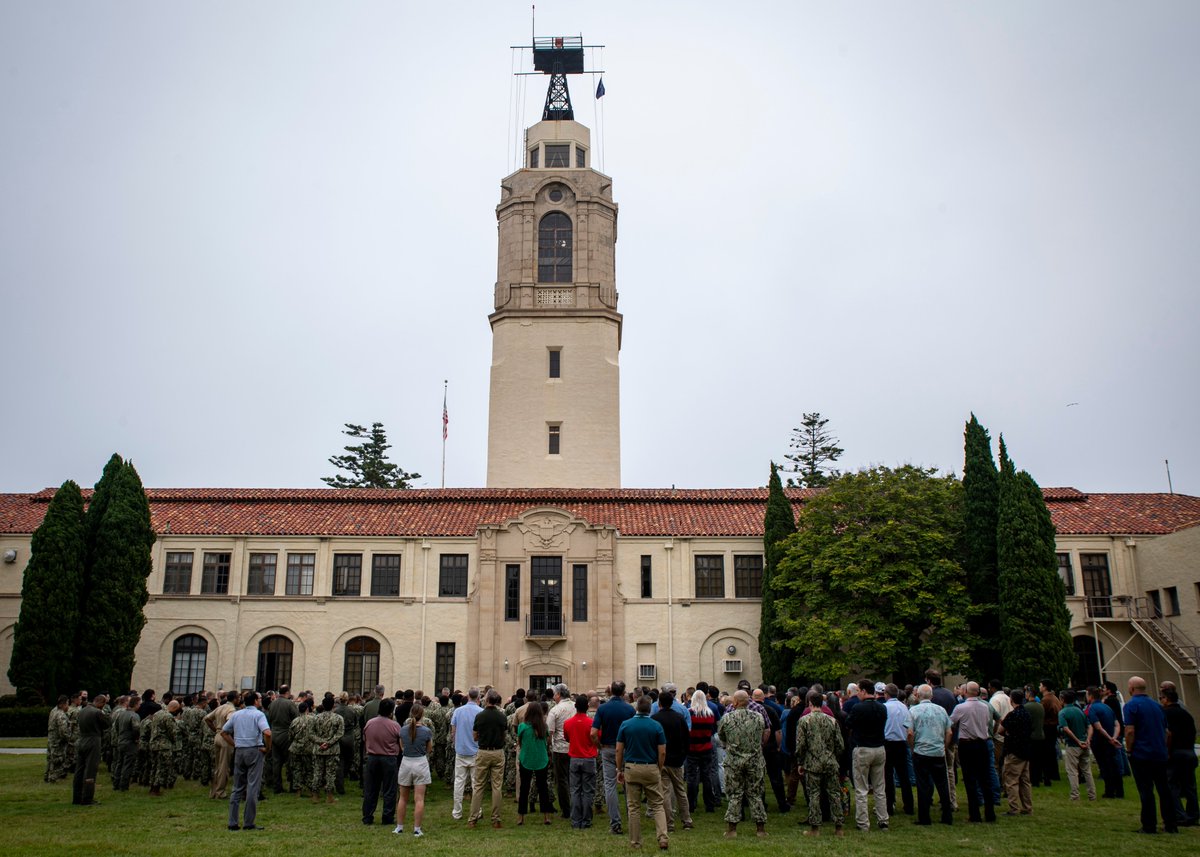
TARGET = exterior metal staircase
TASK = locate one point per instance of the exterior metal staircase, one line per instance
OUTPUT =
(1163, 635)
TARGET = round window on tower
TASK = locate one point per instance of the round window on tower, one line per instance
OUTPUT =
(555, 195)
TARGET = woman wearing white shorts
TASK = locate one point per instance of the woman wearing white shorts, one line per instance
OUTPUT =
(416, 743)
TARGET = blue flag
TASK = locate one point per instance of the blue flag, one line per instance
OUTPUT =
(600, 89)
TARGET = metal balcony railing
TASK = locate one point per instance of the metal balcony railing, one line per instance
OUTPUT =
(1149, 619)
(545, 625)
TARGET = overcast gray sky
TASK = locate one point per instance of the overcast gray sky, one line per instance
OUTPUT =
(228, 228)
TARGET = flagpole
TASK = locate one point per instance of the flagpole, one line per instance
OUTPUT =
(445, 428)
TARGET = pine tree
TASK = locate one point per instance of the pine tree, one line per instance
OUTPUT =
(44, 636)
(1035, 626)
(816, 448)
(367, 462)
(981, 509)
(118, 567)
(778, 523)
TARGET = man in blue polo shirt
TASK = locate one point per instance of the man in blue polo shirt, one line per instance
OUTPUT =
(605, 724)
(249, 733)
(1146, 741)
(641, 752)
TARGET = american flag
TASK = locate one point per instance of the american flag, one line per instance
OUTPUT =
(445, 418)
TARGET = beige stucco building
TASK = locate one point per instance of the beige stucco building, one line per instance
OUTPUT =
(573, 579)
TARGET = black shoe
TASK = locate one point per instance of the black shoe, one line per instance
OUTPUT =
(253, 827)
(368, 821)
(235, 827)
(616, 831)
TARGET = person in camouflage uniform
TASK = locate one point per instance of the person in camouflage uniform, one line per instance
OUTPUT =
(188, 743)
(347, 744)
(326, 734)
(819, 745)
(440, 718)
(360, 748)
(300, 748)
(126, 728)
(163, 732)
(510, 742)
(76, 702)
(448, 756)
(743, 733)
(58, 743)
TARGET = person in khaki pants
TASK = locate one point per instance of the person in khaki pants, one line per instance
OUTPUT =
(641, 753)
(490, 727)
(1017, 729)
(222, 750)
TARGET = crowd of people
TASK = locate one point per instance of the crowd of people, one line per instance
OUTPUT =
(570, 754)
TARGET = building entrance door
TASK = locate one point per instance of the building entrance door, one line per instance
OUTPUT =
(545, 596)
(544, 682)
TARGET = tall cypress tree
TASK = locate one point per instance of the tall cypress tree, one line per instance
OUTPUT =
(981, 512)
(44, 636)
(119, 565)
(1035, 627)
(778, 523)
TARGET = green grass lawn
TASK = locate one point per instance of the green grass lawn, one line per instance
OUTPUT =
(36, 818)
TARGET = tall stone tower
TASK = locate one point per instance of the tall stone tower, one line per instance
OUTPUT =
(554, 412)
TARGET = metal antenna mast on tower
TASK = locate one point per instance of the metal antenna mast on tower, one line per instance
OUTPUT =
(559, 56)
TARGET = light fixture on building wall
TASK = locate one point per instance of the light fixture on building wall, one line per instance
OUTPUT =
(732, 650)
(10, 556)
(506, 664)
(584, 665)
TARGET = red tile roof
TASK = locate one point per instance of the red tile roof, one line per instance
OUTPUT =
(633, 511)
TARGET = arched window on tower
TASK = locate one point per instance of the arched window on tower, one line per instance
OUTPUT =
(189, 656)
(554, 248)
(361, 673)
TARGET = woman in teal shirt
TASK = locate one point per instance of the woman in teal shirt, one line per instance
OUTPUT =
(533, 760)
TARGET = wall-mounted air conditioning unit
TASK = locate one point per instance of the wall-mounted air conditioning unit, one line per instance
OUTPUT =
(646, 672)
(733, 666)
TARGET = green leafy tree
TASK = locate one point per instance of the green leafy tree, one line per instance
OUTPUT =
(981, 510)
(366, 463)
(112, 617)
(1035, 626)
(779, 522)
(871, 581)
(815, 449)
(44, 636)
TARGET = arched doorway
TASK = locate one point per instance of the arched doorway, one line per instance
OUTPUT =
(274, 663)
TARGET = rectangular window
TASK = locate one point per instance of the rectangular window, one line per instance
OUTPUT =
(347, 573)
(533, 158)
(443, 675)
(1172, 600)
(555, 435)
(558, 154)
(580, 157)
(512, 593)
(579, 593)
(555, 363)
(647, 579)
(452, 578)
(747, 576)
(214, 580)
(710, 576)
(300, 567)
(177, 574)
(1066, 573)
(1155, 603)
(385, 575)
(261, 578)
